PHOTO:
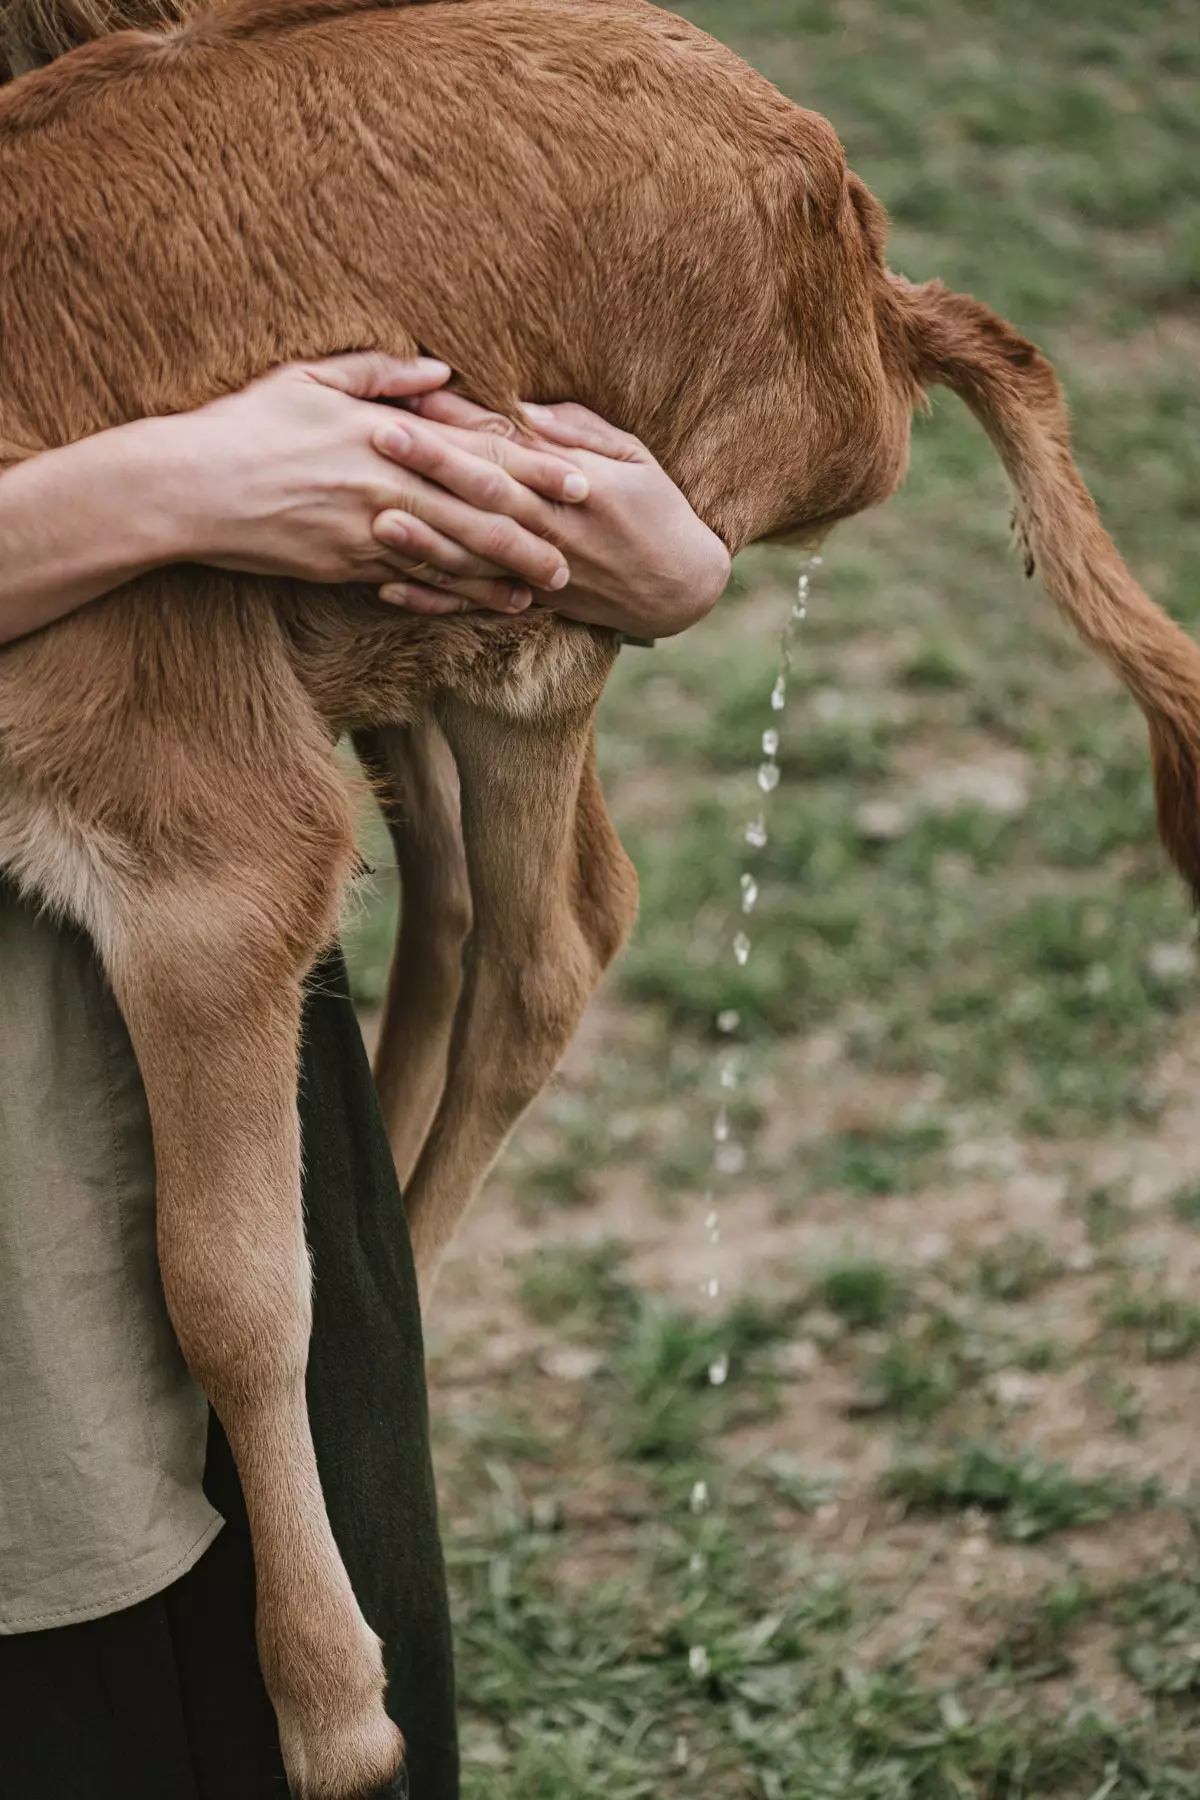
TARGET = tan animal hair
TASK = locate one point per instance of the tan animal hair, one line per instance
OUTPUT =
(634, 219)
(34, 32)
(1011, 389)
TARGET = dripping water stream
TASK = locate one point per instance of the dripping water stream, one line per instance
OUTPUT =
(729, 1151)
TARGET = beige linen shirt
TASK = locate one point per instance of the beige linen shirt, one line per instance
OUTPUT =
(102, 1430)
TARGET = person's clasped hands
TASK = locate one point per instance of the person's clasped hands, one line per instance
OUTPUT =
(446, 507)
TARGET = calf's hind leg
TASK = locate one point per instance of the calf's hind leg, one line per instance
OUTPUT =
(554, 896)
(417, 786)
(208, 973)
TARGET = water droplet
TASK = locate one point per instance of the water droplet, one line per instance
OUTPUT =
(730, 1155)
(730, 1159)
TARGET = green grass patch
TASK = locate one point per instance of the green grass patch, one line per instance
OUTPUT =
(713, 1665)
(933, 1359)
(681, 1376)
(576, 1289)
(1017, 1269)
(1167, 1326)
(1030, 1497)
(569, 1697)
(912, 1380)
(1185, 1204)
(1106, 1214)
(879, 1160)
(1036, 1644)
(1161, 1645)
(865, 1295)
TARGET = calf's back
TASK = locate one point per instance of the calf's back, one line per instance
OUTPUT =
(592, 200)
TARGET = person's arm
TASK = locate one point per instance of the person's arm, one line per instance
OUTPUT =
(282, 478)
(67, 533)
(301, 475)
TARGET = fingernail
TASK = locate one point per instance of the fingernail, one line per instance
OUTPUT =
(560, 580)
(575, 487)
(394, 437)
(519, 599)
(395, 593)
(432, 365)
(540, 413)
(392, 530)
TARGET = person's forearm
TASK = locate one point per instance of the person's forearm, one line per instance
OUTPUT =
(79, 521)
(284, 478)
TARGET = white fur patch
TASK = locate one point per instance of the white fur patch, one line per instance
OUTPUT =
(77, 872)
(530, 687)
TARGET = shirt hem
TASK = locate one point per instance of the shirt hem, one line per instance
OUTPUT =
(14, 1625)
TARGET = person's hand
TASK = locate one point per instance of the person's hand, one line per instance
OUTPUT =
(640, 559)
(288, 477)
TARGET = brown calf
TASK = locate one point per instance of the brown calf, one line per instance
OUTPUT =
(560, 199)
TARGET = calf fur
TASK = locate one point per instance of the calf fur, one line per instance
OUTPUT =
(561, 199)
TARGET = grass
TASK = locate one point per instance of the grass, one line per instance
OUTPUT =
(581, 1679)
(627, 1641)
(673, 1368)
(1037, 1644)
(1185, 1204)
(1031, 1497)
(864, 1295)
(880, 1159)
(577, 1289)
(969, 1011)
(1016, 1269)
(1167, 1326)
(1106, 1214)
(776, 1717)
(1162, 1647)
(918, 1373)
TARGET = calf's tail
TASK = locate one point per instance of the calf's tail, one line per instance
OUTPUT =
(1008, 384)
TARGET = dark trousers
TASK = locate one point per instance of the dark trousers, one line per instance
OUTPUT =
(164, 1701)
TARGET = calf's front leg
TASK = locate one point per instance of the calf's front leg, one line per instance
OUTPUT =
(213, 1008)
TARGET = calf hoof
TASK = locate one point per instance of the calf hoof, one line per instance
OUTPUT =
(360, 1759)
